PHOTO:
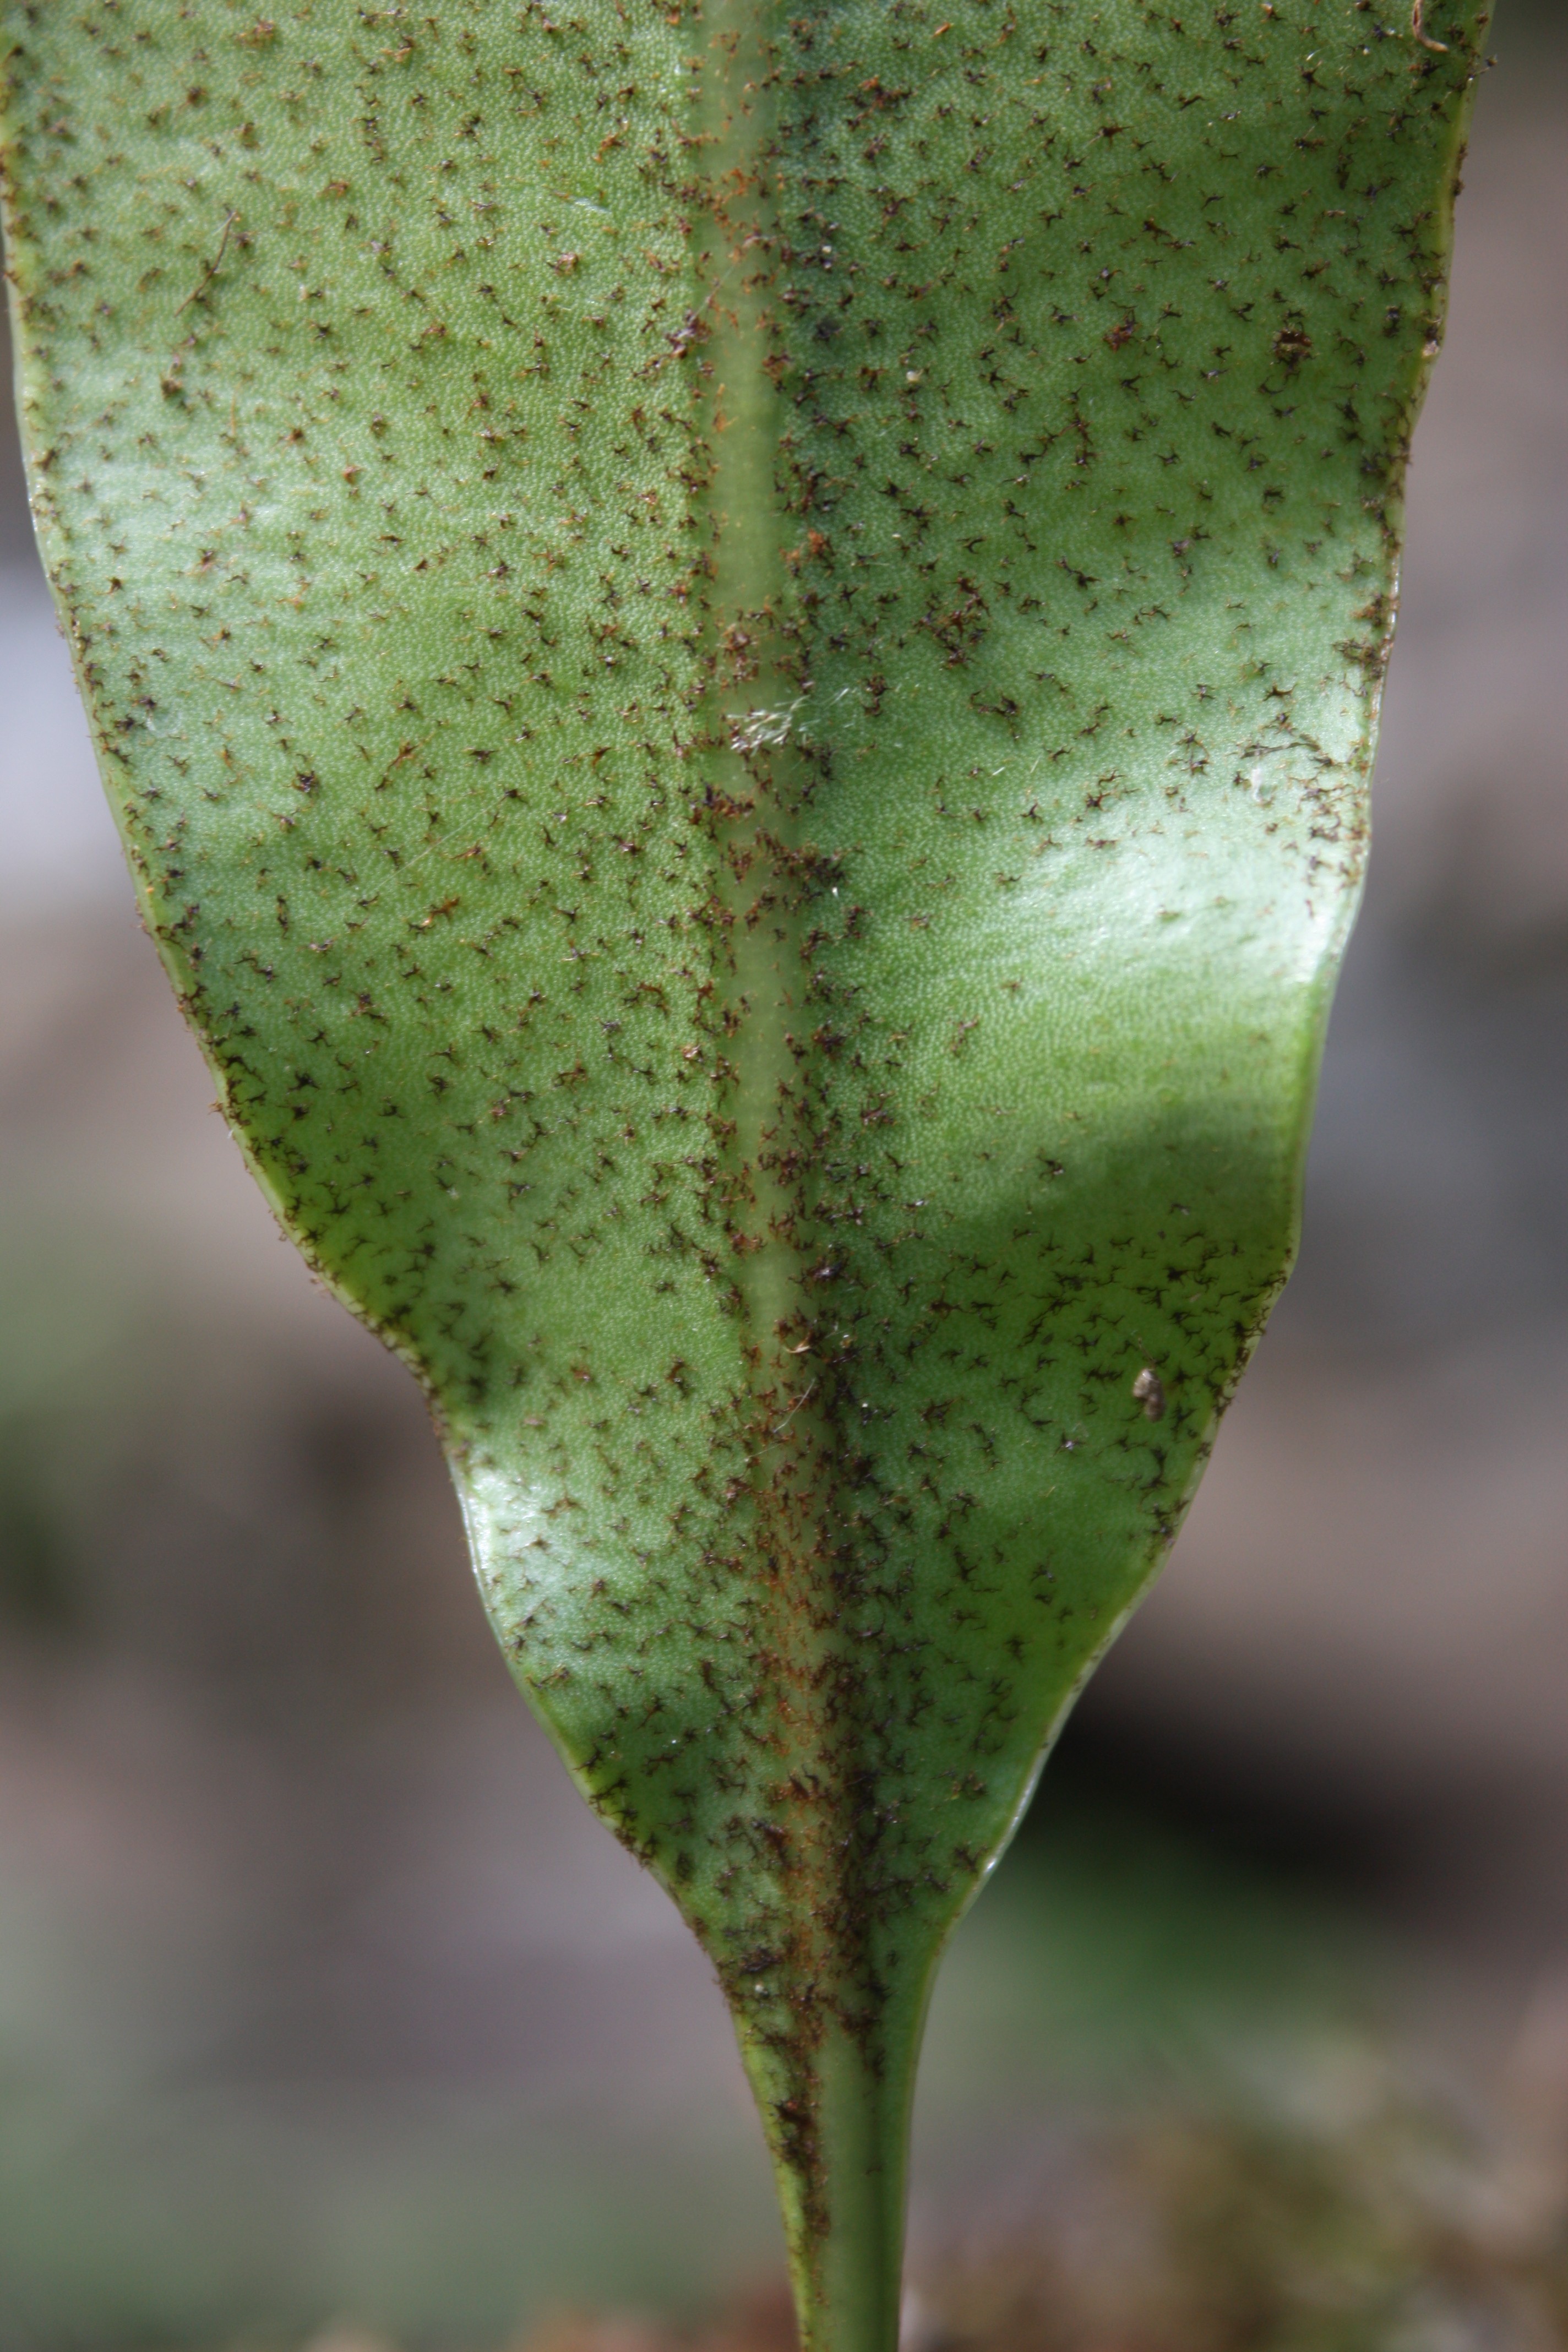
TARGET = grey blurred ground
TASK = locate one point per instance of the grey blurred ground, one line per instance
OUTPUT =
(319, 1990)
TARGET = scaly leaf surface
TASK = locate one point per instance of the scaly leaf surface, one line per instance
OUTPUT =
(737, 652)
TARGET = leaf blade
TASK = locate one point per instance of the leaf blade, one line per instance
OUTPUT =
(745, 734)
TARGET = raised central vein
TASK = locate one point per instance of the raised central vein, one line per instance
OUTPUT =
(760, 690)
(756, 688)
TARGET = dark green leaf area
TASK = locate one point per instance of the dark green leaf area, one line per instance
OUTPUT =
(738, 659)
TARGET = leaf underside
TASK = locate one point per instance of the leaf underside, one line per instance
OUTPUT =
(737, 652)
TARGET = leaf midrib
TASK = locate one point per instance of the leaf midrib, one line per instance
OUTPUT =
(761, 862)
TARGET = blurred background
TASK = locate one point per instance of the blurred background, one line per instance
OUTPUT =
(323, 2000)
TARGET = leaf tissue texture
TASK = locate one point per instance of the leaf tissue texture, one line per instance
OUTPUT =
(737, 652)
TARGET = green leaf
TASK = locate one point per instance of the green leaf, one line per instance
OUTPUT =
(737, 656)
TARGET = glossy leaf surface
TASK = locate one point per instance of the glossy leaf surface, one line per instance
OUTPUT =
(737, 652)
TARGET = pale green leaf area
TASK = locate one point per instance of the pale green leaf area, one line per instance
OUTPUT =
(738, 654)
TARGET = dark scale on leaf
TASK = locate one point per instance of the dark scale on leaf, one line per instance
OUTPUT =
(735, 647)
